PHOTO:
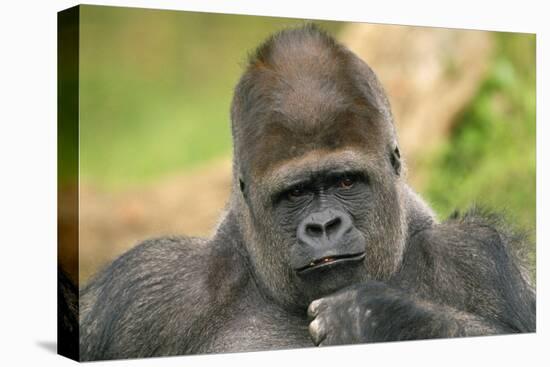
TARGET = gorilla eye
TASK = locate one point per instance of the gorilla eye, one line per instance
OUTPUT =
(345, 183)
(297, 192)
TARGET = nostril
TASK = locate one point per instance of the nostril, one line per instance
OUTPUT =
(314, 230)
(333, 225)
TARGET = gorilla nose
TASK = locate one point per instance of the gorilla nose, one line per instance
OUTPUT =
(328, 227)
(323, 228)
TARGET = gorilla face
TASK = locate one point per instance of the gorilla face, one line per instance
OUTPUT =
(323, 205)
(318, 221)
(317, 163)
(318, 209)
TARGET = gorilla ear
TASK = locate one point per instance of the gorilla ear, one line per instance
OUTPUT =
(242, 187)
(395, 159)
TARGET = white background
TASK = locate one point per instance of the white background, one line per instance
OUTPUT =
(28, 181)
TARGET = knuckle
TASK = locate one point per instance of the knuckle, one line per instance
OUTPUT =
(314, 326)
(316, 331)
(314, 307)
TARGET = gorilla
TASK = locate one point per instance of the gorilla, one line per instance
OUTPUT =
(323, 242)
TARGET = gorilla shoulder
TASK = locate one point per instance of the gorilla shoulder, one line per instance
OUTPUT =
(162, 285)
(186, 265)
(476, 241)
(479, 255)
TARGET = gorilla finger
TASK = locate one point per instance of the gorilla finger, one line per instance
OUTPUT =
(317, 332)
(314, 308)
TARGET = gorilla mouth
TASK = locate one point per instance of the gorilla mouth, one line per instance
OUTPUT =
(329, 261)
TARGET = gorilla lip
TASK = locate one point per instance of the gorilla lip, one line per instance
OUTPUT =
(329, 261)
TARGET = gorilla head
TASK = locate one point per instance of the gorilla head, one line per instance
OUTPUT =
(317, 172)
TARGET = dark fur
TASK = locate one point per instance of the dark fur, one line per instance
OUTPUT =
(67, 319)
(305, 108)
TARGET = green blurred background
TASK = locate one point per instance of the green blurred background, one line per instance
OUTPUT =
(490, 157)
(156, 86)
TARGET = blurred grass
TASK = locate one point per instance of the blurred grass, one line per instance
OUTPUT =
(156, 88)
(490, 158)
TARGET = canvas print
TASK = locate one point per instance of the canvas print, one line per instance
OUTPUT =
(235, 183)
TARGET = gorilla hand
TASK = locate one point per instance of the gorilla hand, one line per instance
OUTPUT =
(362, 313)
